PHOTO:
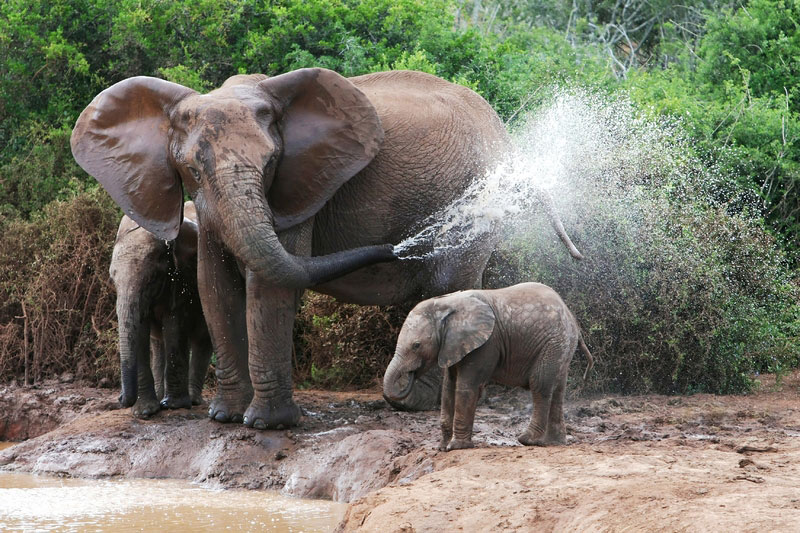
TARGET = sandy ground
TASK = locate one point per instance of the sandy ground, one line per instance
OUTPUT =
(642, 463)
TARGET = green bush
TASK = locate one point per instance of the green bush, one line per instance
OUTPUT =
(740, 105)
(45, 173)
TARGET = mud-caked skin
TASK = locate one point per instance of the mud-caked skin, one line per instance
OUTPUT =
(302, 180)
(160, 317)
(521, 336)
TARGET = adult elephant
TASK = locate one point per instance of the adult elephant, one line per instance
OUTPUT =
(299, 180)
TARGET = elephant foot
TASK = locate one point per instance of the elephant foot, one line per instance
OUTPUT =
(176, 402)
(459, 444)
(444, 442)
(530, 440)
(224, 411)
(127, 400)
(272, 416)
(197, 398)
(146, 407)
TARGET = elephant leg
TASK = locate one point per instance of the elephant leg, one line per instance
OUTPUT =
(471, 376)
(157, 362)
(544, 381)
(146, 401)
(270, 324)
(270, 321)
(465, 402)
(535, 432)
(223, 295)
(176, 394)
(556, 432)
(448, 405)
(198, 366)
(271, 313)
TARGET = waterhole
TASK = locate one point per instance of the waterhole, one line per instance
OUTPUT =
(40, 503)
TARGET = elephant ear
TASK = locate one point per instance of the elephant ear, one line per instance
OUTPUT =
(330, 132)
(122, 139)
(465, 324)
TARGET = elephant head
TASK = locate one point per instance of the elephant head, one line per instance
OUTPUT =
(440, 330)
(257, 156)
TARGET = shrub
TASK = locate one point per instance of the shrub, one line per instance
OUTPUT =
(681, 289)
(344, 346)
(58, 303)
(695, 305)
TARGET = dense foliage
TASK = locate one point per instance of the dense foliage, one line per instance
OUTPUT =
(725, 71)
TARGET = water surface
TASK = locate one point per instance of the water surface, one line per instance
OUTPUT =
(43, 503)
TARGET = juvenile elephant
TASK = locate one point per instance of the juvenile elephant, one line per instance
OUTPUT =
(300, 181)
(157, 299)
(521, 336)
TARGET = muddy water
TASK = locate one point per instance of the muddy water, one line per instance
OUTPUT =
(37, 503)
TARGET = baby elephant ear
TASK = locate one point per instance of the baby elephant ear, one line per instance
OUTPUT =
(122, 139)
(465, 324)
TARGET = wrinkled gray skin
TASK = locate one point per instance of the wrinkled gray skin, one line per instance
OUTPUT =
(301, 181)
(521, 336)
(160, 318)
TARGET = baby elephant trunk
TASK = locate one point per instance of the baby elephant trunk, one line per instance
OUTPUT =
(398, 380)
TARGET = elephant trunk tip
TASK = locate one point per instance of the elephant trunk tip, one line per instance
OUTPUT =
(390, 387)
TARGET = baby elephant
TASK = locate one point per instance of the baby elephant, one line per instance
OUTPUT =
(522, 335)
(159, 316)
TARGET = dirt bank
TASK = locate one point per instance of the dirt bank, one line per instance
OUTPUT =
(640, 463)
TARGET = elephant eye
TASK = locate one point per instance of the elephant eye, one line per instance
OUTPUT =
(195, 174)
(415, 346)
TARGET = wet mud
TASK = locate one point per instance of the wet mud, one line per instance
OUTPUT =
(697, 463)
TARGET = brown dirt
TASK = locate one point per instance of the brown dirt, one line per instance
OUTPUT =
(696, 463)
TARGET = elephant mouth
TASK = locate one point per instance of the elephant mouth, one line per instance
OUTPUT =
(402, 394)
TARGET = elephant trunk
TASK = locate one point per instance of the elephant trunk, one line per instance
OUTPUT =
(134, 338)
(398, 379)
(249, 232)
(555, 221)
(425, 393)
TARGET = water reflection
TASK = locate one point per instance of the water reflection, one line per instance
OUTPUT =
(61, 504)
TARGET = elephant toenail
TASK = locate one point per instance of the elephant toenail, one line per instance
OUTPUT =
(259, 424)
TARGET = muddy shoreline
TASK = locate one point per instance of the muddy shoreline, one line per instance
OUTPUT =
(647, 462)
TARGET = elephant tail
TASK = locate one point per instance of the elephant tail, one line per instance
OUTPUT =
(588, 355)
(555, 221)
